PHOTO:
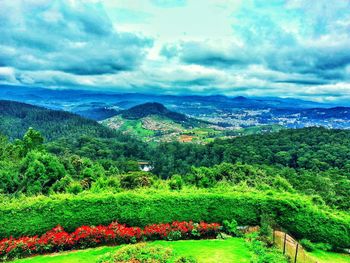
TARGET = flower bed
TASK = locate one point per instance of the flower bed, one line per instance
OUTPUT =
(90, 236)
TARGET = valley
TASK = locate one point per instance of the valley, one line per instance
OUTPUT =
(215, 116)
(68, 179)
(174, 131)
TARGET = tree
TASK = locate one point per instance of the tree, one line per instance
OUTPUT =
(134, 180)
(32, 140)
(39, 171)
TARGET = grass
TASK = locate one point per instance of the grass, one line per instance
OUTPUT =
(81, 256)
(206, 251)
(327, 257)
(212, 251)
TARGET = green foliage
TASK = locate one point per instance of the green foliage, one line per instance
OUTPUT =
(282, 184)
(32, 140)
(234, 173)
(61, 185)
(323, 246)
(174, 235)
(266, 230)
(139, 253)
(296, 214)
(17, 118)
(231, 227)
(74, 188)
(263, 253)
(183, 259)
(176, 182)
(134, 180)
(103, 184)
(307, 245)
(39, 171)
(314, 161)
(144, 253)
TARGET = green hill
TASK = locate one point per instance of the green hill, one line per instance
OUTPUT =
(17, 117)
(154, 122)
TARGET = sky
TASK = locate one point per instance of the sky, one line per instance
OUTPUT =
(285, 48)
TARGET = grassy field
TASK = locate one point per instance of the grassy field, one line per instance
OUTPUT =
(206, 251)
(329, 257)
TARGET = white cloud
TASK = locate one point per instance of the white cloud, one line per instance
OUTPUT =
(254, 47)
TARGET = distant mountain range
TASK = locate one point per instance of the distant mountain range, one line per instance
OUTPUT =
(72, 99)
(235, 112)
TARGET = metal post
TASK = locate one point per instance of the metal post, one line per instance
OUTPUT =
(284, 244)
(296, 253)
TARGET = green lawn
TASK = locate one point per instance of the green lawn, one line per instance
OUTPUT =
(212, 251)
(206, 251)
(329, 257)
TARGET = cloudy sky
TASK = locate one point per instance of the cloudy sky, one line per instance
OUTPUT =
(289, 48)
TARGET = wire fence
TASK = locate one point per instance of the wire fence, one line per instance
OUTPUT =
(291, 248)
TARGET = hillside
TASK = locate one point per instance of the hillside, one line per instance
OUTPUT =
(97, 114)
(17, 117)
(153, 108)
(154, 122)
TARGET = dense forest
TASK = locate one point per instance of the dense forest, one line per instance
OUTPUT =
(312, 161)
(17, 117)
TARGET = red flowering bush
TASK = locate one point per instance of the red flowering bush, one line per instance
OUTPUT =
(90, 236)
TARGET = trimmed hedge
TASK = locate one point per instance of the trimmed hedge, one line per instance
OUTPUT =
(294, 213)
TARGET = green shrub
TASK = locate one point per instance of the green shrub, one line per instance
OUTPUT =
(266, 230)
(302, 219)
(144, 253)
(324, 246)
(307, 245)
(138, 179)
(74, 188)
(176, 182)
(174, 235)
(61, 185)
(231, 227)
(262, 253)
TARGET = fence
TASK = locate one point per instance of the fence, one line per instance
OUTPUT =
(291, 248)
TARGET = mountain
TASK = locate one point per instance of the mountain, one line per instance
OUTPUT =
(17, 117)
(153, 121)
(153, 108)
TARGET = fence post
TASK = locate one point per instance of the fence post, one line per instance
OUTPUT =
(284, 244)
(296, 253)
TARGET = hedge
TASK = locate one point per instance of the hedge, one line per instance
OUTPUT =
(294, 213)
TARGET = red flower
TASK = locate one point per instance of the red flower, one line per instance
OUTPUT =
(87, 236)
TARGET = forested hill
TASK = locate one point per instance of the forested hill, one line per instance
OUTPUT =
(17, 117)
(159, 110)
(318, 149)
(152, 108)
